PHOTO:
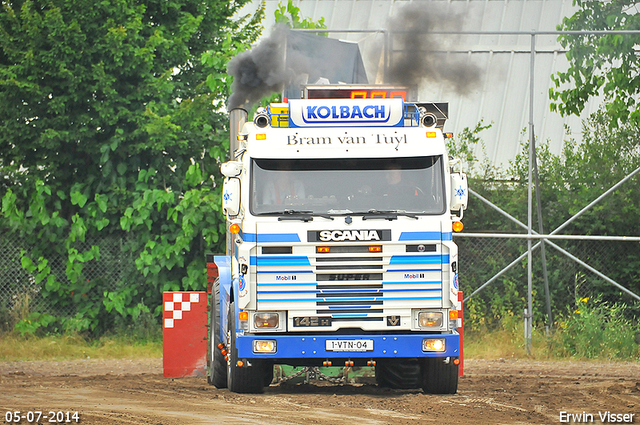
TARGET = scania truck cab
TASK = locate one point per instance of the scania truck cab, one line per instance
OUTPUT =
(340, 213)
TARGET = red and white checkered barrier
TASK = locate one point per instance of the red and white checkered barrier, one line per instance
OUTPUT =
(184, 334)
(180, 302)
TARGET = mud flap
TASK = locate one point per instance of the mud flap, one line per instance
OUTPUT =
(184, 334)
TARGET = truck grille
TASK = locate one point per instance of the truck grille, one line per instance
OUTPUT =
(349, 283)
(350, 295)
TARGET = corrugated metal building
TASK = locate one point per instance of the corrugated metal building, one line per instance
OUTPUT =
(500, 91)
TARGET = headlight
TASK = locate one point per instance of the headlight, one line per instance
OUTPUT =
(266, 320)
(434, 344)
(430, 319)
(264, 346)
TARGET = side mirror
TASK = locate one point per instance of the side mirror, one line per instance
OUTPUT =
(459, 191)
(231, 168)
(231, 197)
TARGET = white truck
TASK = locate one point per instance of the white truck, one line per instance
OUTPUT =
(340, 209)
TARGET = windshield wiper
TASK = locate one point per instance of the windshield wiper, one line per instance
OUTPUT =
(303, 215)
(374, 214)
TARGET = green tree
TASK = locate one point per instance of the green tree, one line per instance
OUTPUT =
(600, 64)
(108, 127)
(289, 15)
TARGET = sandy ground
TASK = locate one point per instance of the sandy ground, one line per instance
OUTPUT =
(118, 392)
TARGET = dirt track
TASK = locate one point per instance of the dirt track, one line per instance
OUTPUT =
(492, 392)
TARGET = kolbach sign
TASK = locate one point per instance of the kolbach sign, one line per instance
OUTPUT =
(346, 112)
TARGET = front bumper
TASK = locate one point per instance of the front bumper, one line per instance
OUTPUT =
(315, 346)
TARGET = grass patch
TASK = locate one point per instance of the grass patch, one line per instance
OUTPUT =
(593, 331)
(506, 342)
(141, 339)
(14, 347)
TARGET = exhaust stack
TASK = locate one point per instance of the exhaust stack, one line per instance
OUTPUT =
(237, 118)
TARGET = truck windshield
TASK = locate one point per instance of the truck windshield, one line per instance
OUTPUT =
(348, 186)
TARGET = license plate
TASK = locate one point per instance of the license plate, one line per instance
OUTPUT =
(349, 345)
(311, 321)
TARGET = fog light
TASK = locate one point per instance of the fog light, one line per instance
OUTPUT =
(266, 320)
(264, 346)
(434, 344)
(430, 319)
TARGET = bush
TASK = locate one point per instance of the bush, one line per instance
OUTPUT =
(597, 330)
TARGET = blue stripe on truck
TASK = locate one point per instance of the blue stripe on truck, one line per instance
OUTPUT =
(419, 259)
(288, 260)
(270, 237)
(425, 236)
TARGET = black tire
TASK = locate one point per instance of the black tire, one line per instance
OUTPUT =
(246, 379)
(268, 374)
(439, 377)
(398, 374)
(217, 370)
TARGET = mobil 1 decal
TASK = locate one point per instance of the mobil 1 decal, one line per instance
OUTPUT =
(350, 235)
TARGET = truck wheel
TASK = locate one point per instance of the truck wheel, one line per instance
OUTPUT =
(268, 374)
(439, 377)
(246, 379)
(217, 373)
(398, 374)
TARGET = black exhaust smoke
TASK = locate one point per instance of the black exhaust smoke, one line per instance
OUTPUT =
(261, 71)
(419, 55)
(258, 72)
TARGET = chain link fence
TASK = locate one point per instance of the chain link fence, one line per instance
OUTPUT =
(21, 295)
(480, 260)
(569, 282)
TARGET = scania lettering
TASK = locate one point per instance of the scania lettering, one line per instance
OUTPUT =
(355, 235)
(339, 244)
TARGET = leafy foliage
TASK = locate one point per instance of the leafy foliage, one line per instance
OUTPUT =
(289, 15)
(108, 128)
(600, 64)
(597, 330)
